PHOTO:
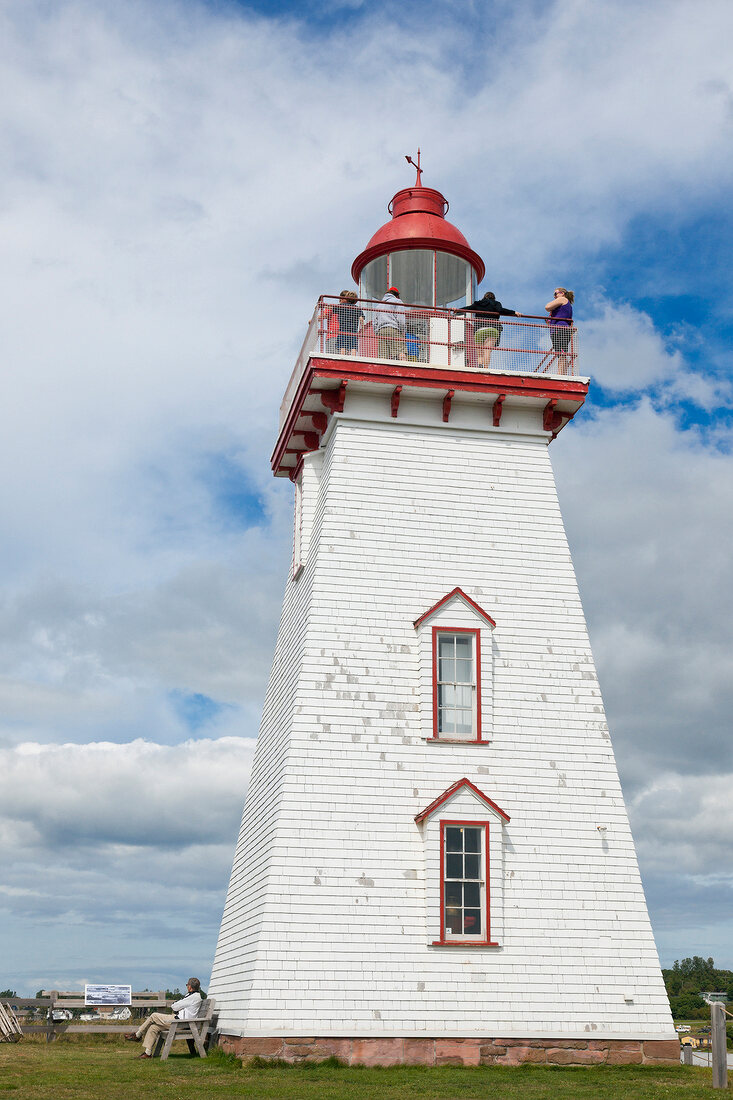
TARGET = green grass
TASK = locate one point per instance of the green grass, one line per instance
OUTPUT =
(107, 1068)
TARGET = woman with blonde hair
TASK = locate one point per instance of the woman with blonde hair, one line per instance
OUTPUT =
(561, 326)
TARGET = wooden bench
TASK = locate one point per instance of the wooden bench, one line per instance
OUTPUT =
(195, 1032)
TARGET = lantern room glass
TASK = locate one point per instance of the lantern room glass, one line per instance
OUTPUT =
(412, 272)
(424, 278)
(453, 281)
(373, 284)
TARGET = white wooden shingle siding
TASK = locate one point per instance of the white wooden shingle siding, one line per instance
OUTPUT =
(333, 902)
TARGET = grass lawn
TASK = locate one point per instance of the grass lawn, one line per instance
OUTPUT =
(101, 1068)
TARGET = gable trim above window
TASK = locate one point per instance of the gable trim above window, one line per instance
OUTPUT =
(454, 789)
(456, 592)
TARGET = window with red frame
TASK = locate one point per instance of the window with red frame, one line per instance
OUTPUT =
(464, 908)
(457, 707)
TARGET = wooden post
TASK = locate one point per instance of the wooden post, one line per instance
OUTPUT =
(687, 1055)
(719, 1045)
(50, 1029)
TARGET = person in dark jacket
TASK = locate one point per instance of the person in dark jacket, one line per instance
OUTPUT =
(487, 328)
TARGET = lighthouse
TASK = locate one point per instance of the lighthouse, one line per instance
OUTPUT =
(435, 862)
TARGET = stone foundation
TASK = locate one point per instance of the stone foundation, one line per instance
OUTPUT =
(459, 1052)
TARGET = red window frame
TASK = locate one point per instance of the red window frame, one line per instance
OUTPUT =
(444, 629)
(485, 940)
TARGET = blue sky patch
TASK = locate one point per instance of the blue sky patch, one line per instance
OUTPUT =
(237, 504)
(197, 710)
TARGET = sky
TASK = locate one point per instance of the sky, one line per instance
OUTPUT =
(180, 181)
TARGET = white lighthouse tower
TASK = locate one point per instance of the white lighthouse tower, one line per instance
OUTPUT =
(435, 862)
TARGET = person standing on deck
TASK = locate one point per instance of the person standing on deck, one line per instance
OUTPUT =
(561, 325)
(487, 328)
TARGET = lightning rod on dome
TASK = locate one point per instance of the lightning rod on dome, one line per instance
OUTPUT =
(418, 181)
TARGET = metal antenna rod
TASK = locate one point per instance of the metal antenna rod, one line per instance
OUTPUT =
(418, 181)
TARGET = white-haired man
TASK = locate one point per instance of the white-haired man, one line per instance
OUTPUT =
(157, 1023)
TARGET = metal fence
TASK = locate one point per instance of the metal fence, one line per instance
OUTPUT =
(438, 338)
(443, 338)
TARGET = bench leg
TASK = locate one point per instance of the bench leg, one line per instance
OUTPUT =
(196, 1035)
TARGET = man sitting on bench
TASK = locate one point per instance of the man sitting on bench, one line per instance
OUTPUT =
(157, 1023)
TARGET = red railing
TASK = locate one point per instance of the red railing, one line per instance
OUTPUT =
(444, 338)
(438, 338)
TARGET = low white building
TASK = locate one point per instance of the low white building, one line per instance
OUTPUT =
(435, 861)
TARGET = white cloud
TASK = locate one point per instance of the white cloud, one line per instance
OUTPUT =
(625, 351)
(684, 824)
(115, 858)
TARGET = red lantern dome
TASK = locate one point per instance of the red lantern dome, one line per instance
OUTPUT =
(421, 253)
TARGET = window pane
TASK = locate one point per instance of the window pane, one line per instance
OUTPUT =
(452, 280)
(412, 273)
(472, 895)
(447, 669)
(446, 645)
(464, 645)
(453, 921)
(374, 279)
(464, 672)
(472, 840)
(453, 893)
(446, 721)
(454, 839)
(472, 867)
(454, 866)
(463, 697)
(472, 922)
(464, 722)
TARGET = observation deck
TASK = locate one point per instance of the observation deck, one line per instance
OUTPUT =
(479, 358)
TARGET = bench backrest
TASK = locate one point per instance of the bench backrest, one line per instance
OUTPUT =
(206, 1009)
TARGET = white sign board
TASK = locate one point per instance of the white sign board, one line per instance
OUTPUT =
(107, 994)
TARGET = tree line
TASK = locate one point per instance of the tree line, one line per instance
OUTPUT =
(687, 978)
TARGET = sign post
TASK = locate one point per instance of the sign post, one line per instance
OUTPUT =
(719, 1045)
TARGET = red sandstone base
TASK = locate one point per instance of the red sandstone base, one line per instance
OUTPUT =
(459, 1052)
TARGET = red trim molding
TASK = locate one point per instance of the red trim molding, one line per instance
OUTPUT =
(477, 664)
(333, 399)
(406, 244)
(497, 409)
(395, 400)
(486, 940)
(569, 390)
(449, 596)
(415, 374)
(320, 420)
(551, 419)
(453, 789)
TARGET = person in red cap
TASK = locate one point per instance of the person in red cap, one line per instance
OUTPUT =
(389, 326)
